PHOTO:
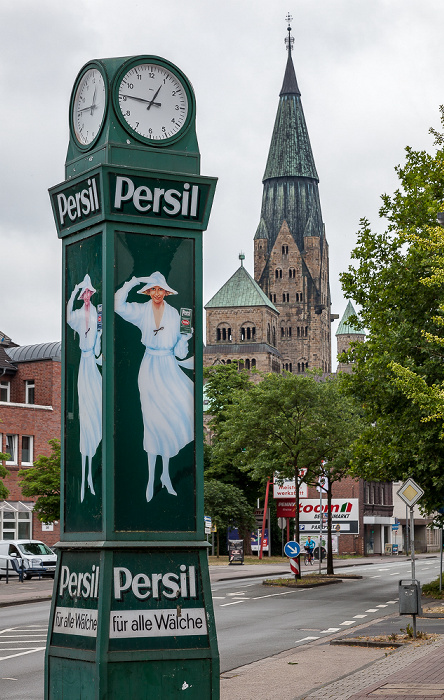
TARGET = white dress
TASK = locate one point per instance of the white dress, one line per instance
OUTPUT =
(166, 392)
(89, 381)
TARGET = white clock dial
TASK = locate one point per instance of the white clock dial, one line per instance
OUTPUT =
(89, 106)
(153, 101)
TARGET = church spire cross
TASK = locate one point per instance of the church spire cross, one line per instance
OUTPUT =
(289, 40)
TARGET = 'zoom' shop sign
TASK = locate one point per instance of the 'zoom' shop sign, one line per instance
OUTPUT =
(152, 198)
(151, 620)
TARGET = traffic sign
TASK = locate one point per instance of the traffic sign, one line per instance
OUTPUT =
(410, 492)
(292, 549)
(294, 566)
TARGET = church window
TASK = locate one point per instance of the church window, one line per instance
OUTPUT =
(285, 250)
(248, 333)
(285, 297)
(223, 333)
(290, 367)
(268, 334)
(247, 364)
(228, 362)
(274, 336)
(291, 273)
(253, 363)
(278, 273)
(306, 331)
(289, 331)
(282, 332)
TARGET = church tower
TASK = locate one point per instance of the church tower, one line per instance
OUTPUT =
(290, 247)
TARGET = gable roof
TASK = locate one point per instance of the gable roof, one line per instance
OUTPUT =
(240, 290)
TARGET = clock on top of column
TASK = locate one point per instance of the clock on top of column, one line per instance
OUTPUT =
(153, 100)
(88, 105)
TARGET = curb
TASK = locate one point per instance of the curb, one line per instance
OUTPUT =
(10, 603)
(363, 643)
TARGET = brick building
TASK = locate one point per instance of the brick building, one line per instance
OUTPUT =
(291, 264)
(30, 414)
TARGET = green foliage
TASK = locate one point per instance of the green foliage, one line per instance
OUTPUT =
(3, 472)
(432, 588)
(227, 505)
(43, 480)
(399, 371)
(286, 423)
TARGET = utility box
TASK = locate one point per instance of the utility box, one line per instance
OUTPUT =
(410, 597)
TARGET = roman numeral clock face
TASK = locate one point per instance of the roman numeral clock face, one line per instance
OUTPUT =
(153, 102)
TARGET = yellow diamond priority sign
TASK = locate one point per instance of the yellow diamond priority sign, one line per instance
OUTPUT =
(410, 492)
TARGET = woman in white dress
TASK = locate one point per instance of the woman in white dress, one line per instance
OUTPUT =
(89, 381)
(166, 392)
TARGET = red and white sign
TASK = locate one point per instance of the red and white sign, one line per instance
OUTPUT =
(286, 509)
(294, 566)
(285, 488)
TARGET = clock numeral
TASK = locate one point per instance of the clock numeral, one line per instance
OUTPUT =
(164, 128)
(122, 97)
(151, 75)
(139, 77)
(173, 120)
(127, 113)
(137, 124)
(150, 131)
(176, 107)
(130, 85)
(174, 93)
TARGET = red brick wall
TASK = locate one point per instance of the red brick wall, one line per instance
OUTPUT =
(42, 421)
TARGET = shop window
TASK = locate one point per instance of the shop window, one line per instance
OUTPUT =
(15, 521)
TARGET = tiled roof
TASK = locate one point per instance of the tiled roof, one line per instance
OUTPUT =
(345, 327)
(240, 290)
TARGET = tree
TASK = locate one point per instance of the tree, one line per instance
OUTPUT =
(228, 507)
(287, 423)
(3, 472)
(397, 282)
(43, 480)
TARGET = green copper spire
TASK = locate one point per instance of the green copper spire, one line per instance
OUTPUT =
(345, 326)
(240, 290)
(290, 178)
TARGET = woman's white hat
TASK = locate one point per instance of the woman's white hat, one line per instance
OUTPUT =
(156, 279)
(86, 284)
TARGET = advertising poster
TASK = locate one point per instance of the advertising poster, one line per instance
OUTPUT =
(82, 449)
(154, 383)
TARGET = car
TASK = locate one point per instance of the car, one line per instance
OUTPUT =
(32, 557)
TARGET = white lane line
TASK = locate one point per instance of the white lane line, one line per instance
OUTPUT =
(375, 577)
(372, 610)
(347, 622)
(391, 602)
(396, 573)
(23, 653)
(330, 629)
(235, 602)
(382, 606)
(237, 593)
(306, 639)
(218, 597)
(358, 617)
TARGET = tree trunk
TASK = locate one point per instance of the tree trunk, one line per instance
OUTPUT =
(329, 541)
(217, 543)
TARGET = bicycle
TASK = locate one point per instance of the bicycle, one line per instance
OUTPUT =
(308, 557)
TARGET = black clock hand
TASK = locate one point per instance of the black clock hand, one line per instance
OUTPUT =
(85, 109)
(140, 99)
(155, 95)
(93, 106)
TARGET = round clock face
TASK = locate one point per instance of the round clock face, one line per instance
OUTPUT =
(89, 106)
(153, 101)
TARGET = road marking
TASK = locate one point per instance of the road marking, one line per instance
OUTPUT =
(347, 622)
(359, 616)
(237, 593)
(391, 602)
(218, 597)
(397, 573)
(381, 606)
(372, 610)
(23, 653)
(375, 577)
(235, 602)
(306, 639)
(330, 629)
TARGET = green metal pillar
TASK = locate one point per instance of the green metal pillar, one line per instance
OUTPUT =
(132, 613)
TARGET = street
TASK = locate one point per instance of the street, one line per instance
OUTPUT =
(253, 621)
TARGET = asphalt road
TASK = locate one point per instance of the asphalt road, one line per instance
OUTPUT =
(253, 621)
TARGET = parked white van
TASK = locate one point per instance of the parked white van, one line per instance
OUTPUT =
(36, 558)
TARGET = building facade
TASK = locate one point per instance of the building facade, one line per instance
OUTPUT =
(291, 264)
(30, 415)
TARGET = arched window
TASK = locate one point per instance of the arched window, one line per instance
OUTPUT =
(228, 362)
(282, 331)
(248, 333)
(268, 334)
(306, 331)
(285, 250)
(223, 333)
(274, 336)
(247, 364)
(278, 273)
(289, 331)
(253, 363)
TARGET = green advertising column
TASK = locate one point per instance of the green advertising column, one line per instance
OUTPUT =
(132, 613)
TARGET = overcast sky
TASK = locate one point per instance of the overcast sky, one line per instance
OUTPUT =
(371, 76)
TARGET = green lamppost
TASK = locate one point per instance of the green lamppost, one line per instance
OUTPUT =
(132, 613)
